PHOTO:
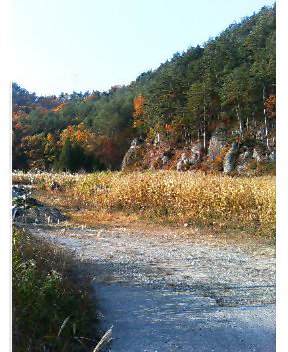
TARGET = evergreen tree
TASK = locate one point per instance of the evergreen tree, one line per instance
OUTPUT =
(65, 159)
(78, 159)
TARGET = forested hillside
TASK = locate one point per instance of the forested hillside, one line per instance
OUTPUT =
(225, 86)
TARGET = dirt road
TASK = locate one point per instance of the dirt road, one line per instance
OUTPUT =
(172, 291)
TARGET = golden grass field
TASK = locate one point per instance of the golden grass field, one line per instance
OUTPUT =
(192, 198)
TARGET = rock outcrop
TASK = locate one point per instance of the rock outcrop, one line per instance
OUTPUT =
(133, 153)
(226, 153)
(197, 153)
(272, 156)
(38, 215)
(244, 159)
(183, 163)
(191, 158)
(217, 142)
(165, 159)
(230, 158)
(260, 154)
(26, 209)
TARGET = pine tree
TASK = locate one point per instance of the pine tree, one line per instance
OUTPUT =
(66, 158)
(78, 158)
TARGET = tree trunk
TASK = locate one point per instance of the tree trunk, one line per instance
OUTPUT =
(253, 119)
(265, 117)
(239, 119)
(204, 120)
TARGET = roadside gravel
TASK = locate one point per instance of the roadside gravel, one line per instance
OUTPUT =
(173, 291)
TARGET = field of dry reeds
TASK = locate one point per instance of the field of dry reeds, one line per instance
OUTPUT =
(192, 198)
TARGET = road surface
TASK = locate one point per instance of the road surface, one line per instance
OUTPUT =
(172, 291)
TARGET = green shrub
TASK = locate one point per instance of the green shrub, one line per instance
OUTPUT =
(46, 298)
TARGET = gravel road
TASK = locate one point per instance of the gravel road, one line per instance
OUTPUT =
(172, 291)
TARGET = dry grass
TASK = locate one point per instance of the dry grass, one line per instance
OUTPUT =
(193, 198)
(44, 179)
(90, 217)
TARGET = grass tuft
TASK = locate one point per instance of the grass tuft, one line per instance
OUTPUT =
(50, 310)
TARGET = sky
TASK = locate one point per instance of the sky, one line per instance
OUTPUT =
(79, 45)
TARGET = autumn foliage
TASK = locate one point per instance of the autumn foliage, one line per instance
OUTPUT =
(138, 111)
(270, 106)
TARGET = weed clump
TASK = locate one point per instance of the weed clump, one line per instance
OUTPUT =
(50, 311)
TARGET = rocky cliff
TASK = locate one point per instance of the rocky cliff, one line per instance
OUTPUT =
(226, 152)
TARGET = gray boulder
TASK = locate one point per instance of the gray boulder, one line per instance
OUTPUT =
(216, 144)
(261, 134)
(272, 156)
(21, 191)
(132, 154)
(37, 215)
(183, 163)
(197, 153)
(243, 159)
(245, 156)
(230, 158)
(165, 159)
(196, 156)
(136, 141)
(259, 155)
(128, 158)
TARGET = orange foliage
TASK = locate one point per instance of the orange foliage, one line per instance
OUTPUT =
(169, 128)
(138, 105)
(59, 107)
(82, 135)
(50, 138)
(270, 106)
(138, 111)
(78, 134)
(69, 132)
(17, 125)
